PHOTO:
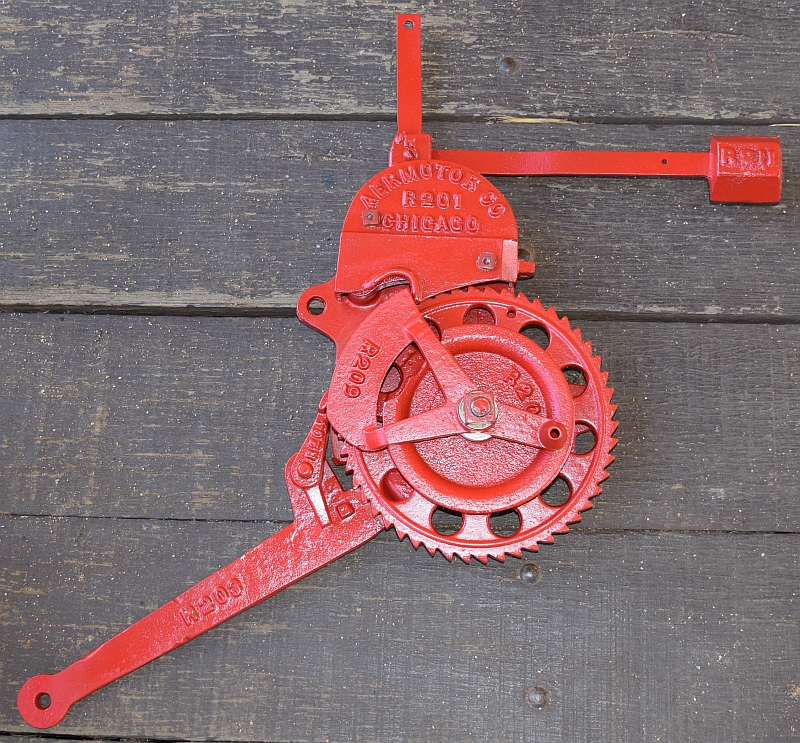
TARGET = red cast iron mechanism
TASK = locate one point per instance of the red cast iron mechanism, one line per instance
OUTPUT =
(439, 400)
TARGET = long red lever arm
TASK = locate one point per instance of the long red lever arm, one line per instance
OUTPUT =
(738, 169)
(580, 162)
(329, 522)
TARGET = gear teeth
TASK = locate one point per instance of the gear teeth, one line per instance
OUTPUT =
(421, 534)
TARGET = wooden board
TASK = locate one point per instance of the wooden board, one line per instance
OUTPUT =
(194, 418)
(676, 636)
(591, 61)
(240, 217)
(184, 170)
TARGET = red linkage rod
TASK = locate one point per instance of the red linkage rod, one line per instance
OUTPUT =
(738, 169)
(409, 84)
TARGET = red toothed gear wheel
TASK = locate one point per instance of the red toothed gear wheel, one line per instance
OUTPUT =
(477, 477)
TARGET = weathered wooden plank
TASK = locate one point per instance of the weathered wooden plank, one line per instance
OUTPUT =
(577, 60)
(195, 418)
(242, 216)
(634, 637)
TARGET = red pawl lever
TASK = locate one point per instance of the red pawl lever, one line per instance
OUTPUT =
(438, 401)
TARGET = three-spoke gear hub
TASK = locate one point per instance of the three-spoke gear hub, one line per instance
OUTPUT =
(502, 496)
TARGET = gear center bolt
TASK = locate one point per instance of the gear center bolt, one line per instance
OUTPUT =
(477, 411)
(478, 471)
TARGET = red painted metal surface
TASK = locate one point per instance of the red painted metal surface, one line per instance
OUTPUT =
(546, 428)
(738, 169)
(439, 401)
(328, 523)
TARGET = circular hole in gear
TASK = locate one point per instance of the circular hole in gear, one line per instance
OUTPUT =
(556, 493)
(42, 700)
(435, 328)
(479, 316)
(584, 441)
(576, 379)
(537, 334)
(523, 254)
(395, 487)
(505, 523)
(316, 306)
(392, 379)
(446, 522)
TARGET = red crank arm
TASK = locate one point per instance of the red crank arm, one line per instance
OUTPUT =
(738, 169)
(451, 419)
(329, 522)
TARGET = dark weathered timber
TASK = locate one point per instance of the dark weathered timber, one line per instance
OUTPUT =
(681, 637)
(240, 217)
(595, 60)
(194, 418)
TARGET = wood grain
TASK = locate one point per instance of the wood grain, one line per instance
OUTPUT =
(240, 217)
(183, 170)
(194, 418)
(593, 61)
(673, 636)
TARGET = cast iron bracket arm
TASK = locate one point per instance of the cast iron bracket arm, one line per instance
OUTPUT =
(741, 169)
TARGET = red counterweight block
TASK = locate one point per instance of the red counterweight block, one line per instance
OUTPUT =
(746, 170)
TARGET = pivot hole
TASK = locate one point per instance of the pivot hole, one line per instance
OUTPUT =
(316, 305)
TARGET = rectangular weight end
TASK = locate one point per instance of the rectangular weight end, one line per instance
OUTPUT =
(745, 170)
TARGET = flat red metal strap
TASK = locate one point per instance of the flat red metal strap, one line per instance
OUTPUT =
(409, 74)
(738, 169)
(580, 162)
